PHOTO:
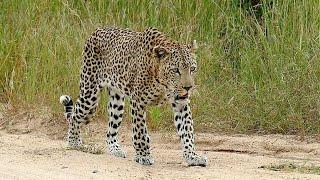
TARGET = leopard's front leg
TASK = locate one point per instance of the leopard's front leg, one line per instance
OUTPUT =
(184, 124)
(140, 137)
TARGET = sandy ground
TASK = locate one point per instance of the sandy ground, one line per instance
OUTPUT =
(36, 156)
(32, 147)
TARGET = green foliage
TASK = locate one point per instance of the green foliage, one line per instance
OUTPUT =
(259, 65)
(292, 167)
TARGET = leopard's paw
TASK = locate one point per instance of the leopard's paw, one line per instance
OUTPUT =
(117, 151)
(197, 161)
(144, 160)
(90, 148)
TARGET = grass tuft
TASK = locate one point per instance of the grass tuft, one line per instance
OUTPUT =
(292, 167)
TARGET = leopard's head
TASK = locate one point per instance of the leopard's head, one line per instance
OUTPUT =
(177, 68)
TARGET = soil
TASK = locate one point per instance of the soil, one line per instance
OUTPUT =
(35, 149)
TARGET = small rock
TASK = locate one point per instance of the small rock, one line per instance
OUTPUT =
(95, 171)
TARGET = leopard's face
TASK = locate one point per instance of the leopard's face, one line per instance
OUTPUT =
(177, 70)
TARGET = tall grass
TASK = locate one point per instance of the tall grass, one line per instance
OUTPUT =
(259, 65)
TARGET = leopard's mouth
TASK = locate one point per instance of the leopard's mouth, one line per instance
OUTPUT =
(182, 97)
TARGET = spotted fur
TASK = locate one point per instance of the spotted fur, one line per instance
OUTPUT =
(149, 69)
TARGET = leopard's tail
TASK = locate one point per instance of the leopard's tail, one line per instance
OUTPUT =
(68, 105)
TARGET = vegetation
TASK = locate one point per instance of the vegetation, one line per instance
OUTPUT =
(259, 65)
(293, 167)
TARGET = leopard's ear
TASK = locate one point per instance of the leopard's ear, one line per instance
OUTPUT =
(160, 52)
(193, 46)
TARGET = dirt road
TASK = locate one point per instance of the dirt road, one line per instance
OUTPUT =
(30, 156)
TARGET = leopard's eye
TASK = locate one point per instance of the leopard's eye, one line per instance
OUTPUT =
(192, 69)
(176, 71)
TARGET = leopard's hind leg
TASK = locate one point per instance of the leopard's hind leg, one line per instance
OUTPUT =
(87, 102)
(83, 111)
(115, 111)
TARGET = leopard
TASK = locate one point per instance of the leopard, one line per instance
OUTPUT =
(146, 67)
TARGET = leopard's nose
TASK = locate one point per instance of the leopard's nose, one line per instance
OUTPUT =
(187, 88)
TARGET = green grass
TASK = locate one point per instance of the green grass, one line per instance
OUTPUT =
(292, 167)
(259, 66)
